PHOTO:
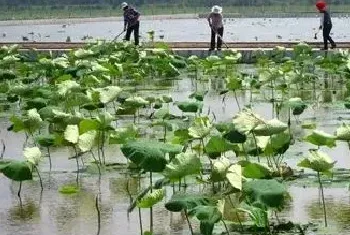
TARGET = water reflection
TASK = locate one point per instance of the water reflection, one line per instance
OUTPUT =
(23, 212)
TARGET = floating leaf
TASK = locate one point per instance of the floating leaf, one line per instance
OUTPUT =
(69, 189)
(308, 126)
(182, 165)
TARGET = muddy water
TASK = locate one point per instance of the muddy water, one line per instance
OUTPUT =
(57, 214)
(191, 30)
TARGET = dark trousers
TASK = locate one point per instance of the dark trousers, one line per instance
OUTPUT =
(220, 31)
(134, 28)
(326, 37)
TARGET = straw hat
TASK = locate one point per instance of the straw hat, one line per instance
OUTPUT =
(216, 9)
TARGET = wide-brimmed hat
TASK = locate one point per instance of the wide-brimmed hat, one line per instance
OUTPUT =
(321, 5)
(216, 9)
(123, 5)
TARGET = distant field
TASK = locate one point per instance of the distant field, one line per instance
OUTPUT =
(47, 12)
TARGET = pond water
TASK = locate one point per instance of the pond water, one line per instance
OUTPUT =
(184, 30)
(57, 214)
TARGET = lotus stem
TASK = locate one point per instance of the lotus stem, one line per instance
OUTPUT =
(237, 215)
(19, 190)
(256, 146)
(48, 153)
(25, 141)
(239, 107)
(102, 148)
(3, 149)
(41, 182)
(273, 99)
(98, 148)
(189, 223)
(140, 215)
(323, 200)
(245, 152)
(98, 215)
(97, 163)
(151, 209)
(165, 132)
(227, 231)
(212, 183)
(239, 220)
(77, 161)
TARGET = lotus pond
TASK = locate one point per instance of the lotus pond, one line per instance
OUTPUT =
(112, 139)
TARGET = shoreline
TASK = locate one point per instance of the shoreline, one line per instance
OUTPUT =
(60, 21)
(67, 21)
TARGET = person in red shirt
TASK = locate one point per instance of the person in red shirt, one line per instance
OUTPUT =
(325, 24)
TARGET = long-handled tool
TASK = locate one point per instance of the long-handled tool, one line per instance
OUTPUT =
(116, 37)
(316, 34)
(219, 37)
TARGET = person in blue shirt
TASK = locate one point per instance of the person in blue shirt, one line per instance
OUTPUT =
(131, 22)
(325, 24)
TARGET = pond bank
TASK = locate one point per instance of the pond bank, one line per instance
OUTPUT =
(68, 21)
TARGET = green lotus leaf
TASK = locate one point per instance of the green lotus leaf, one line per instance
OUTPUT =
(151, 199)
(321, 138)
(32, 155)
(184, 164)
(317, 161)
